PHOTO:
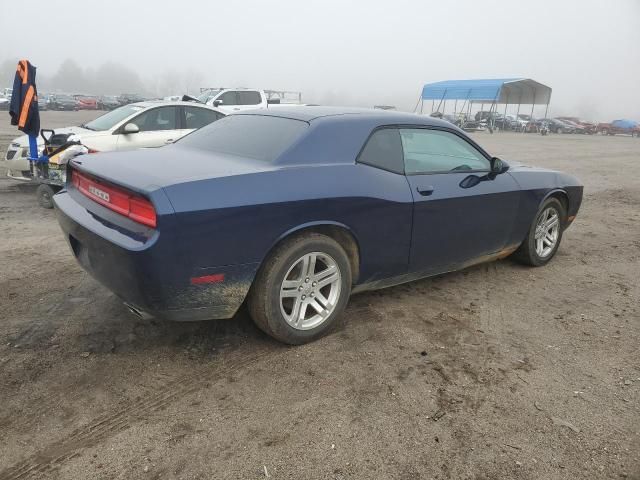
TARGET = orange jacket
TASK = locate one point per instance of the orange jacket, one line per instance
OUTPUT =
(24, 99)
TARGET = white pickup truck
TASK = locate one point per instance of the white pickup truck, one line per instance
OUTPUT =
(231, 100)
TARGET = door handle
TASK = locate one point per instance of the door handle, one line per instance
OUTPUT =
(170, 140)
(425, 191)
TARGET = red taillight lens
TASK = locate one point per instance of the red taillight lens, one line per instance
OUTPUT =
(137, 208)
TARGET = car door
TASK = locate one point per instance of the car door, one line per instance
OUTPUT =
(197, 117)
(461, 210)
(229, 101)
(157, 127)
(249, 99)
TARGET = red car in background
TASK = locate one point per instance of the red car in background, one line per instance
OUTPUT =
(86, 103)
(625, 127)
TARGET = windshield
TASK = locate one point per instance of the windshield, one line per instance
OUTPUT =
(109, 120)
(64, 97)
(208, 95)
(259, 137)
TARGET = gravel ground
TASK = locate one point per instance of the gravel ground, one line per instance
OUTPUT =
(498, 371)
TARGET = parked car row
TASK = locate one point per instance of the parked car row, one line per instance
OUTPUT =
(68, 102)
(527, 123)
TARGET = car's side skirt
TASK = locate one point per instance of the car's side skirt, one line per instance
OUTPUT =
(410, 277)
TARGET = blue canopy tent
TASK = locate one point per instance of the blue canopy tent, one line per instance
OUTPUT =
(507, 91)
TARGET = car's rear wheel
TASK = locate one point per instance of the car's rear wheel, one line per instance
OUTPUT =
(45, 196)
(301, 289)
(544, 235)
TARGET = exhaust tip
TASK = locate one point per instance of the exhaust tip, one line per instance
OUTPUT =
(137, 312)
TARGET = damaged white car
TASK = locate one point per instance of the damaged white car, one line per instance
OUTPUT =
(137, 125)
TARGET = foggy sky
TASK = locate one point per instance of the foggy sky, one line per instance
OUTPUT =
(341, 52)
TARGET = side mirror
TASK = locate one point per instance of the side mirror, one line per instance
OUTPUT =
(130, 128)
(217, 103)
(497, 166)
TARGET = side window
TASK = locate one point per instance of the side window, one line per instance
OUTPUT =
(383, 150)
(228, 98)
(249, 98)
(163, 118)
(435, 151)
(199, 117)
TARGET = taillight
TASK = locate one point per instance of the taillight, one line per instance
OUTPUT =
(137, 208)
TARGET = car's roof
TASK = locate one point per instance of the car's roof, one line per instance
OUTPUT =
(162, 103)
(311, 113)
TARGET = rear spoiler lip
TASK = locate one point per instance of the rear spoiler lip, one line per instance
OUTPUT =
(146, 191)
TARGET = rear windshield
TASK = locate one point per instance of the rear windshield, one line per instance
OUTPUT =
(259, 137)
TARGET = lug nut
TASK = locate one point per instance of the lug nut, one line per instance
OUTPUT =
(304, 296)
(300, 288)
(306, 280)
(314, 284)
(312, 294)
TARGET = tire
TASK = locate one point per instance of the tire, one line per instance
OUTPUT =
(527, 253)
(605, 132)
(270, 311)
(45, 196)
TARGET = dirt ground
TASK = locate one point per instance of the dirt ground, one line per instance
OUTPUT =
(495, 372)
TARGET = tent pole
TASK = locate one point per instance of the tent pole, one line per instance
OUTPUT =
(518, 110)
(455, 107)
(546, 110)
(504, 117)
(533, 105)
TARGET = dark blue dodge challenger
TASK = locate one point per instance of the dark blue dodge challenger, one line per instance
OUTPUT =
(294, 209)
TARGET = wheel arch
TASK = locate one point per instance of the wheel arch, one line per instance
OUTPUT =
(335, 230)
(561, 195)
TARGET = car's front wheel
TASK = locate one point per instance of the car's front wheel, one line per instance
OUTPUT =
(301, 289)
(544, 235)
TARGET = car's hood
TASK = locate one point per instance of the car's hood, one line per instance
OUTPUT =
(23, 141)
(148, 169)
(518, 166)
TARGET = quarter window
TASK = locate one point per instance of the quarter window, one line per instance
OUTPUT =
(435, 151)
(383, 150)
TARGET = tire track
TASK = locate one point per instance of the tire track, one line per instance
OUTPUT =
(109, 424)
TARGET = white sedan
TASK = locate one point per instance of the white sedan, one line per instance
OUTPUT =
(137, 125)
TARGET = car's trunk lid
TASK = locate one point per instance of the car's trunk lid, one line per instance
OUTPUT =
(149, 169)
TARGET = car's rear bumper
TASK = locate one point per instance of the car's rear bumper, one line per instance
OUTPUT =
(147, 269)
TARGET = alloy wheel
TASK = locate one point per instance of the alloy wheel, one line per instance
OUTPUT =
(547, 232)
(310, 290)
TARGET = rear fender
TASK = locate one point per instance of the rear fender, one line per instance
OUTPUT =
(354, 256)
